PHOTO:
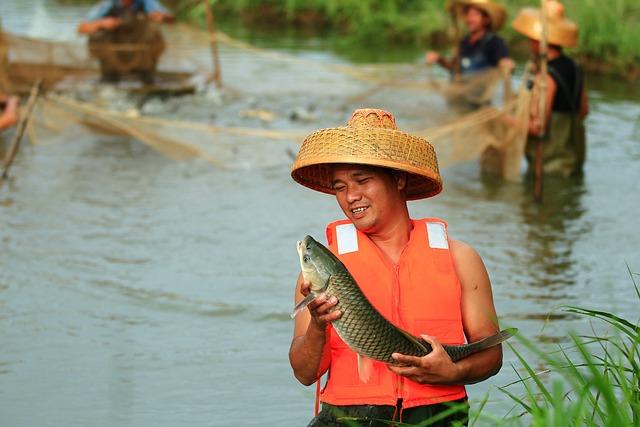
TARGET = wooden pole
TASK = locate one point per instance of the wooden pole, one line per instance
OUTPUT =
(542, 105)
(211, 26)
(22, 124)
(456, 40)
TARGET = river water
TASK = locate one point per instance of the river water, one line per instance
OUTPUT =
(136, 290)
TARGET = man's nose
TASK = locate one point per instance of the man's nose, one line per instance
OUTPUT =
(353, 194)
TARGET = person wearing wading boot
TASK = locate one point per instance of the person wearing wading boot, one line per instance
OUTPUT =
(409, 269)
(124, 37)
(567, 105)
(481, 49)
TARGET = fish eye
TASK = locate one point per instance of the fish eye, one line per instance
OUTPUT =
(305, 258)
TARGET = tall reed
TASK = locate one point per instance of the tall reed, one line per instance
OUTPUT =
(593, 382)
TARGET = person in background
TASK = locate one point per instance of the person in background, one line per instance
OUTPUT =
(481, 49)
(109, 14)
(566, 103)
(409, 269)
(10, 111)
(126, 22)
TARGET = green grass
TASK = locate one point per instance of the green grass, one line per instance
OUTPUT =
(609, 30)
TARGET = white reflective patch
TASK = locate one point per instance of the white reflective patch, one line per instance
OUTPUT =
(437, 235)
(347, 238)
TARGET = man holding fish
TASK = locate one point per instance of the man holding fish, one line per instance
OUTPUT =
(391, 330)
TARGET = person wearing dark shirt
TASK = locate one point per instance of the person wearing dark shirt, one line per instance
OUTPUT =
(566, 104)
(481, 49)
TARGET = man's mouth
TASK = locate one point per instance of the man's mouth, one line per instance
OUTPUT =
(359, 210)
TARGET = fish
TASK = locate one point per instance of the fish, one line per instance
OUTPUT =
(361, 326)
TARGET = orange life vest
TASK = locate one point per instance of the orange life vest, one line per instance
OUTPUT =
(420, 295)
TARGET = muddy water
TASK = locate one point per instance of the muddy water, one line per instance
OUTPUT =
(136, 291)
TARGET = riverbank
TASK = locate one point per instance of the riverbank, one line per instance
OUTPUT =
(608, 31)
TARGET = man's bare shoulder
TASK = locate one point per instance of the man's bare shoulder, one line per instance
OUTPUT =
(469, 265)
(462, 251)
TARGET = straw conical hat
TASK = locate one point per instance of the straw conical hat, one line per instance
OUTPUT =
(370, 138)
(497, 12)
(561, 32)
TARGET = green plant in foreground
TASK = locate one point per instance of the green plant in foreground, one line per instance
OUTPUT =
(596, 382)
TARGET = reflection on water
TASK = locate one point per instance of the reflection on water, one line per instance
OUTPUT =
(552, 229)
(139, 291)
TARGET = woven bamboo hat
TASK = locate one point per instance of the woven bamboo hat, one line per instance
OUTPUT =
(370, 138)
(561, 31)
(497, 13)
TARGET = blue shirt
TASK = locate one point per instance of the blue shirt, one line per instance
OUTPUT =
(104, 8)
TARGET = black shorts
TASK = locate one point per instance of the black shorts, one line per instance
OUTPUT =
(441, 415)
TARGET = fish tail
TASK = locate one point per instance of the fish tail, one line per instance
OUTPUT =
(457, 352)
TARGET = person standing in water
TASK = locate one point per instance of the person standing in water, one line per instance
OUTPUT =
(113, 26)
(481, 49)
(409, 269)
(564, 137)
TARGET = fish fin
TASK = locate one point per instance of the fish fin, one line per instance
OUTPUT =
(365, 368)
(302, 305)
(457, 352)
(418, 342)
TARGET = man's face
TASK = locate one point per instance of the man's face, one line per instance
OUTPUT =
(534, 46)
(475, 19)
(368, 196)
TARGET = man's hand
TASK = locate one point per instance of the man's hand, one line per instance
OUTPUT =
(158, 16)
(434, 368)
(321, 308)
(109, 23)
(432, 57)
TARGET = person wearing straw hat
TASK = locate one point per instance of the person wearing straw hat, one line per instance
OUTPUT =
(481, 49)
(409, 269)
(567, 105)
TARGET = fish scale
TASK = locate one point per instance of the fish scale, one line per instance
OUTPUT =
(361, 326)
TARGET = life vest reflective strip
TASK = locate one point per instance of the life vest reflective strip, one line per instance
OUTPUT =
(420, 295)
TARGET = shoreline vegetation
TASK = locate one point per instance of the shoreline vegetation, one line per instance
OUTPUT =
(609, 31)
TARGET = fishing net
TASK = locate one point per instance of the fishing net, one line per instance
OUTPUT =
(270, 101)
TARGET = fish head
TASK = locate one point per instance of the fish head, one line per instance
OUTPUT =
(315, 263)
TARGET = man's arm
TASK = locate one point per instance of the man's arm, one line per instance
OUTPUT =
(478, 320)
(535, 123)
(157, 12)
(309, 353)
(98, 19)
(11, 113)
(89, 27)
(433, 57)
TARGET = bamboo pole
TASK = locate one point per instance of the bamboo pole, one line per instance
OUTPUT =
(211, 26)
(456, 40)
(538, 185)
(22, 124)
